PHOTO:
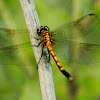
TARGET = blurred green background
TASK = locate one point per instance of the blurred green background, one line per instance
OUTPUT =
(22, 82)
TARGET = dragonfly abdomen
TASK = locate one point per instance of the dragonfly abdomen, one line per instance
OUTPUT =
(49, 46)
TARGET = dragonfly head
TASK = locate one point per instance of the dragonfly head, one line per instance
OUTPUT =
(42, 29)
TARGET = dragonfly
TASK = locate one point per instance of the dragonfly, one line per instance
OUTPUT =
(57, 41)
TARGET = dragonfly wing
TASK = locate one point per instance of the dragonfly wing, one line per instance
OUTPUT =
(69, 36)
(90, 53)
(10, 37)
(17, 55)
(83, 25)
(86, 23)
(15, 47)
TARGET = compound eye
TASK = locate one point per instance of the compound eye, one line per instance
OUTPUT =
(46, 27)
(39, 30)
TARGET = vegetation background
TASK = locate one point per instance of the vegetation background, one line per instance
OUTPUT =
(22, 82)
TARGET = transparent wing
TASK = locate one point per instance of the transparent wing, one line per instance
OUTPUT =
(83, 25)
(13, 49)
(10, 37)
(70, 37)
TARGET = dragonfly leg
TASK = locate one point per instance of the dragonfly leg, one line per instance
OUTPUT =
(38, 44)
(40, 57)
(37, 38)
(49, 55)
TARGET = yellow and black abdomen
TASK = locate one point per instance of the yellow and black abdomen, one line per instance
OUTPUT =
(50, 48)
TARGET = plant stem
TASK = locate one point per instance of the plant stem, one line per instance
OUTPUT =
(44, 67)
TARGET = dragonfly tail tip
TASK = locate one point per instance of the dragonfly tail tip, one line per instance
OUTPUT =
(70, 78)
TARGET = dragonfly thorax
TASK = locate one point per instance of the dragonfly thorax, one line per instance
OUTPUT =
(46, 38)
(45, 34)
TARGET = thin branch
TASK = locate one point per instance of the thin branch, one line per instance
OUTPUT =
(44, 67)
